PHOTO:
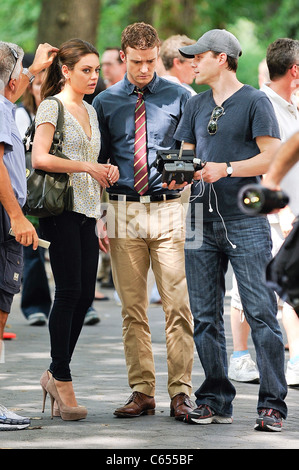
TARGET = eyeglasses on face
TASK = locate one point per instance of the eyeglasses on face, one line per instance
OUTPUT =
(217, 112)
(14, 53)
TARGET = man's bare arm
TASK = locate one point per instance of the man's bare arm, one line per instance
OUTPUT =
(24, 231)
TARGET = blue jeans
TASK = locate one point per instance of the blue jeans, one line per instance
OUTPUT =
(205, 270)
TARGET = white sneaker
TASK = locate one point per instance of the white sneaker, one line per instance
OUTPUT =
(37, 319)
(10, 421)
(243, 369)
(292, 374)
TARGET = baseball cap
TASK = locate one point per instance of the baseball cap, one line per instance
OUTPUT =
(217, 40)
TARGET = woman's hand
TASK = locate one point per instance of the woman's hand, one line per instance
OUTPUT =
(102, 235)
(105, 174)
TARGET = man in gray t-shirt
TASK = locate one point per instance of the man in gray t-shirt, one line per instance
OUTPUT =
(233, 127)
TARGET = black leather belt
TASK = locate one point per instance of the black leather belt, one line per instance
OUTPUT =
(143, 199)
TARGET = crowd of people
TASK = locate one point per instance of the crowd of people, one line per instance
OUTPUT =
(113, 128)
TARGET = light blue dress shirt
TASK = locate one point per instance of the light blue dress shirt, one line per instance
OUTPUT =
(14, 154)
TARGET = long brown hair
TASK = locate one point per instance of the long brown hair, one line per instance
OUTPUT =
(70, 52)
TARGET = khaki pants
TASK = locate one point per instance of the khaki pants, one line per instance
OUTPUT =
(142, 235)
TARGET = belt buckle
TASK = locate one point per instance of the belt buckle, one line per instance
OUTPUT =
(145, 199)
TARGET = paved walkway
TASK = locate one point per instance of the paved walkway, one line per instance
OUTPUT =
(100, 382)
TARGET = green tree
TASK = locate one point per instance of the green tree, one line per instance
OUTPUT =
(18, 22)
(255, 23)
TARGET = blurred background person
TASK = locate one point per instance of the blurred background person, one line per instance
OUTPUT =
(112, 67)
(178, 69)
(263, 73)
(35, 297)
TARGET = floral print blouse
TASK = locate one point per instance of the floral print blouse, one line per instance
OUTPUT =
(77, 146)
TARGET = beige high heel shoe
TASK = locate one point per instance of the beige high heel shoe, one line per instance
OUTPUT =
(43, 382)
(67, 413)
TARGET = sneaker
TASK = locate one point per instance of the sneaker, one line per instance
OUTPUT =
(10, 421)
(268, 420)
(37, 319)
(91, 317)
(243, 369)
(205, 415)
(292, 374)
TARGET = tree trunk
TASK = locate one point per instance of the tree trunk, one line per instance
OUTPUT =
(167, 16)
(61, 20)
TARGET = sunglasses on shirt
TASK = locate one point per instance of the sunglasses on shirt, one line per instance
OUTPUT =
(217, 112)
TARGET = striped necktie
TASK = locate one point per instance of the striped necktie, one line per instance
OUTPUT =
(140, 152)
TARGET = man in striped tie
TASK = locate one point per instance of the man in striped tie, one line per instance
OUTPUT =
(137, 117)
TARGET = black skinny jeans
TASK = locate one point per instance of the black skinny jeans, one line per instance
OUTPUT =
(74, 253)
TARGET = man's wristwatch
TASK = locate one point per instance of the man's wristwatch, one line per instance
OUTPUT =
(28, 74)
(229, 169)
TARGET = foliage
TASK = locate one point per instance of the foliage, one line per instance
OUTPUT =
(18, 22)
(279, 18)
(255, 23)
(115, 15)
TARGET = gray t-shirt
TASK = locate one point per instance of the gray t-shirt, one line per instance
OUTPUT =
(248, 113)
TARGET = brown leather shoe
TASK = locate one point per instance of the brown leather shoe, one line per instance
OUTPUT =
(138, 404)
(180, 405)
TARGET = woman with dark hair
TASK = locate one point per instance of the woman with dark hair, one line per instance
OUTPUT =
(74, 245)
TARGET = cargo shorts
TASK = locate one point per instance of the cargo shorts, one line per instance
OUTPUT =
(11, 263)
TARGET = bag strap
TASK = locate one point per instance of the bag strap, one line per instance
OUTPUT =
(58, 134)
(56, 146)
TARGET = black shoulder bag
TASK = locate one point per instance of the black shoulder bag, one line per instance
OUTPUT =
(48, 193)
